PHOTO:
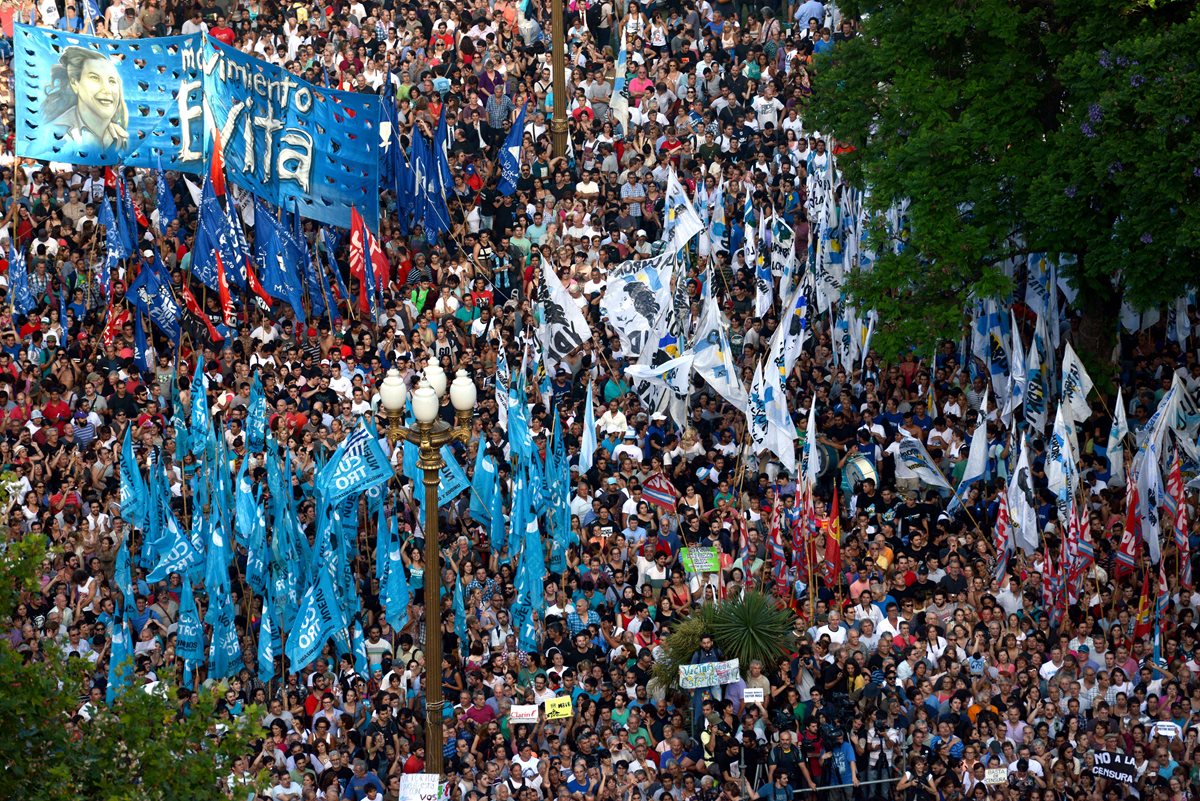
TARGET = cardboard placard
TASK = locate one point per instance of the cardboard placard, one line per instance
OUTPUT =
(1119, 767)
(995, 776)
(559, 708)
(755, 695)
(419, 787)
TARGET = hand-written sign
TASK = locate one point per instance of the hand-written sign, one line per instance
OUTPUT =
(419, 787)
(995, 776)
(692, 677)
(1111, 765)
(754, 695)
(558, 708)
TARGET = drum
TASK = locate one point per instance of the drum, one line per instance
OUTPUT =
(858, 469)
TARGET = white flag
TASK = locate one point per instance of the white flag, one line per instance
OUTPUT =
(976, 456)
(681, 220)
(918, 460)
(1017, 378)
(1116, 440)
(674, 374)
(1062, 471)
(564, 328)
(1076, 384)
(1022, 504)
(714, 356)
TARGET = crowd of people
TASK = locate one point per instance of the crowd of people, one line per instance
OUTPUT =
(919, 668)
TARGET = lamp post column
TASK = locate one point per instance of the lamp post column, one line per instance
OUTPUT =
(558, 59)
(430, 462)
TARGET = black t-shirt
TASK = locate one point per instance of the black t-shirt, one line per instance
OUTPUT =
(835, 674)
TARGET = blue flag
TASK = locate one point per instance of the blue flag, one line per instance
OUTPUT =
(318, 619)
(441, 154)
(397, 593)
(510, 155)
(141, 357)
(273, 252)
(181, 557)
(123, 576)
(430, 201)
(460, 616)
(225, 650)
(152, 295)
(167, 212)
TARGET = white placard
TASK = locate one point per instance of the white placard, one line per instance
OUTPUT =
(995, 776)
(755, 695)
(419, 787)
(523, 713)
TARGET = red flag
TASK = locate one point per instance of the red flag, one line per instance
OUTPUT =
(831, 565)
(358, 259)
(227, 312)
(110, 178)
(1144, 622)
(116, 320)
(189, 300)
(658, 490)
(1130, 548)
(141, 218)
(379, 261)
(216, 168)
(256, 286)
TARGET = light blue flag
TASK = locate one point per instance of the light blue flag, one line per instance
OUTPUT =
(256, 416)
(189, 636)
(120, 665)
(497, 532)
(133, 487)
(318, 619)
(359, 646)
(268, 640)
(357, 465)
(199, 426)
(588, 445)
(451, 480)
(182, 556)
(460, 616)
(530, 585)
(225, 650)
(397, 593)
(483, 484)
(510, 155)
(123, 576)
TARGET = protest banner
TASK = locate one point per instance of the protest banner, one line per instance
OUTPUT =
(995, 776)
(293, 143)
(86, 100)
(700, 560)
(1119, 767)
(559, 708)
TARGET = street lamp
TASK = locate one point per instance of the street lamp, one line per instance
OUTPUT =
(558, 64)
(429, 435)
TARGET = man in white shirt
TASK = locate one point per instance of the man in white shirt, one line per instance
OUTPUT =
(832, 629)
(613, 420)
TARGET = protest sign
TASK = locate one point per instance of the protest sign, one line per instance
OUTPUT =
(1111, 765)
(700, 560)
(708, 674)
(419, 787)
(995, 776)
(558, 708)
(754, 695)
(523, 713)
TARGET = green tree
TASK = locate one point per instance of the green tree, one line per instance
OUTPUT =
(141, 749)
(1056, 126)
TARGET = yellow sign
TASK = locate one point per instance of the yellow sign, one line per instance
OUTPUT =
(558, 708)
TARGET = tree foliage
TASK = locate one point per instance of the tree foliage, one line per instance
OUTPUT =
(748, 628)
(1058, 126)
(138, 750)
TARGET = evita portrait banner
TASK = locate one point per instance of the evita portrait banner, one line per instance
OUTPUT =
(155, 103)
